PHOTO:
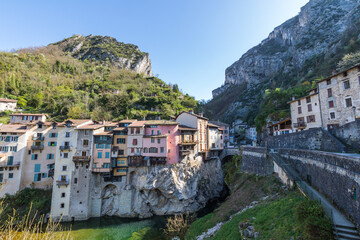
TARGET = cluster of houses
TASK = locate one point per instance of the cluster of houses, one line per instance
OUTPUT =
(334, 102)
(64, 155)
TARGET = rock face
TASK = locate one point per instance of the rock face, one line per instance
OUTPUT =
(175, 189)
(319, 29)
(107, 50)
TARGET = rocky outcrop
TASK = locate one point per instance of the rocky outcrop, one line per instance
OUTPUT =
(175, 189)
(107, 50)
(318, 30)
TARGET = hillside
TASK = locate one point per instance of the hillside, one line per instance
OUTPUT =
(298, 52)
(54, 81)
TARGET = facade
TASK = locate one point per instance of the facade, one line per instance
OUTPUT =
(339, 98)
(136, 132)
(305, 112)
(226, 130)
(13, 141)
(64, 168)
(251, 134)
(39, 158)
(280, 128)
(24, 118)
(102, 152)
(7, 104)
(187, 142)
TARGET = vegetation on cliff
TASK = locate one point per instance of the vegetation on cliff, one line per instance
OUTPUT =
(50, 80)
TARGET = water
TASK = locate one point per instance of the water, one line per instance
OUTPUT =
(116, 228)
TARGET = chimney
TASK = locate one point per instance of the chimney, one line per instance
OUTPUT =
(103, 122)
(292, 98)
(201, 114)
(191, 111)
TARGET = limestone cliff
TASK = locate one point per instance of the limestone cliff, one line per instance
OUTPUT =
(321, 29)
(179, 188)
(107, 50)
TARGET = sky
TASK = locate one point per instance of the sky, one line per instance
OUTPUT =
(190, 42)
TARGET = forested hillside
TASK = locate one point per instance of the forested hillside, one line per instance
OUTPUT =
(50, 80)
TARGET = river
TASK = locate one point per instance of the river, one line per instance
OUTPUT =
(116, 228)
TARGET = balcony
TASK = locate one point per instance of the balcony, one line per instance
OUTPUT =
(38, 138)
(62, 182)
(184, 152)
(65, 148)
(81, 158)
(300, 125)
(37, 147)
(101, 170)
(51, 173)
(188, 142)
(9, 164)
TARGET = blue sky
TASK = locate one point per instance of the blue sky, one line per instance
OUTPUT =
(191, 42)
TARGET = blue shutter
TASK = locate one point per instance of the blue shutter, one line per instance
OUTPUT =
(49, 144)
(44, 175)
(37, 168)
(55, 144)
(35, 177)
(48, 156)
(107, 155)
(32, 157)
(56, 135)
(99, 154)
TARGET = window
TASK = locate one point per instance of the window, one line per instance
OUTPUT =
(158, 132)
(100, 146)
(62, 194)
(309, 107)
(53, 135)
(346, 84)
(50, 156)
(152, 140)
(132, 131)
(87, 132)
(310, 118)
(332, 115)
(13, 148)
(162, 150)
(107, 146)
(145, 150)
(359, 79)
(153, 150)
(331, 104)
(75, 180)
(168, 150)
(99, 155)
(137, 130)
(299, 110)
(44, 175)
(85, 143)
(64, 168)
(121, 152)
(345, 74)
(135, 141)
(10, 160)
(308, 99)
(348, 102)
(328, 82)
(329, 92)
(37, 177)
(158, 140)
(34, 157)
(52, 144)
(67, 134)
(62, 205)
(152, 132)
(66, 155)
(107, 155)
(11, 175)
(37, 168)
(132, 150)
(120, 141)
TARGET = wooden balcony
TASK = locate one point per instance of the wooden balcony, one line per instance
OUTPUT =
(190, 142)
(9, 164)
(101, 170)
(81, 158)
(37, 147)
(62, 182)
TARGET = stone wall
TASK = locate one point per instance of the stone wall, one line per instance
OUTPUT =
(334, 175)
(256, 161)
(349, 134)
(312, 139)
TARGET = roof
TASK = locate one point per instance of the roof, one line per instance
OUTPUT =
(29, 114)
(119, 129)
(310, 95)
(128, 121)
(186, 128)
(334, 75)
(110, 124)
(8, 100)
(137, 124)
(13, 128)
(193, 114)
(91, 126)
(213, 125)
(76, 122)
(44, 123)
(277, 123)
(103, 134)
(161, 122)
(219, 123)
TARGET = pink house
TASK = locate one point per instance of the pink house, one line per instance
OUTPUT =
(160, 142)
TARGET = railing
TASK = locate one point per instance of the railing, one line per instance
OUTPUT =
(63, 148)
(36, 147)
(51, 172)
(81, 158)
(188, 142)
(184, 152)
(62, 182)
(101, 170)
(300, 125)
(6, 164)
(38, 138)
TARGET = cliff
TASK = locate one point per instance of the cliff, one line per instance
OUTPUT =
(296, 50)
(107, 50)
(183, 187)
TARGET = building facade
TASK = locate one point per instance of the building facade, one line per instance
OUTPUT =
(7, 104)
(23, 118)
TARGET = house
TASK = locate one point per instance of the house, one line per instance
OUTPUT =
(24, 118)
(251, 134)
(7, 104)
(280, 128)
(226, 130)
(187, 142)
(136, 132)
(160, 142)
(215, 140)
(339, 98)
(305, 112)
(102, 152)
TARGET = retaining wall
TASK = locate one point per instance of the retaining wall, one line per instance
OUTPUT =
(255, 160)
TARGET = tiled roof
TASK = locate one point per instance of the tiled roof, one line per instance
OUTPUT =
(90, 126)
(103, 134)
(128, 121)
(161, 122)
(13, 128)
(219, 123)
(186, 128)
(29, 114)
(76, 122)
(137, 124)
(213, 125)
(193, 114)
(8, 100)
(119, 129)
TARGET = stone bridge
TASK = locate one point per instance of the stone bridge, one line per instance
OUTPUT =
(229, 152)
